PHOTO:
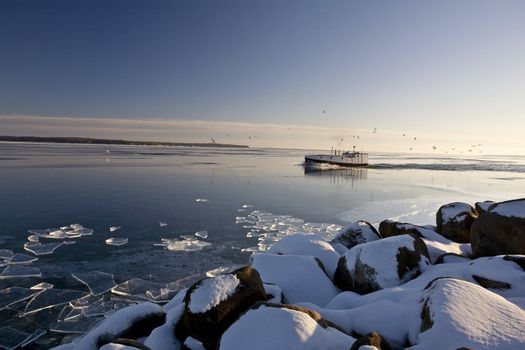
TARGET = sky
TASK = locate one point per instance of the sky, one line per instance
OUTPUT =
(299, 74)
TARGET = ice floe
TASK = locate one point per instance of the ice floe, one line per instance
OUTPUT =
(116, 241)
(114, 228)
(98, 282)
(42, 248)
(186, 244)
(52, 297)
(11, 338)
(18, 271)
(162, 224)
(13, 295)
(20, 258)
(201, 200)
(202, 234)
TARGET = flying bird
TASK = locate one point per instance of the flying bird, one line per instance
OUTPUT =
(212, 140)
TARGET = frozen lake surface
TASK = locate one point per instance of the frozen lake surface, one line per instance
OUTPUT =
(140, 223)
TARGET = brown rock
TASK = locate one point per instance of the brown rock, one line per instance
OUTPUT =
(488, 283)
(484, 206)
(443, 259)
(454, 221)
(372, 339)
(495, 232)
(209, 325)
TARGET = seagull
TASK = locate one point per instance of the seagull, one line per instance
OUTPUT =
(434, 148)
(342, 140)
(212, 140)
(404, 135)
(324, 112)
(415, 138)
(108, 151)
(375, 130)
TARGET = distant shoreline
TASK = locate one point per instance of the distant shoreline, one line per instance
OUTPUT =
(93, 141)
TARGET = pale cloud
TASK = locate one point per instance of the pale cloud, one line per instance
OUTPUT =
(252, 134)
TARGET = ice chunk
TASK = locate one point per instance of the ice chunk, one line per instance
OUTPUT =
(247, 206)
(43, 285)
(116, 241)
(201, 200)
(42, 249)
(68, 242)
(98, 282)
(13, 295)
(16, 271)
(98, 308)
(6, 254)
(162, 224)
(83, 231)
(137, 287)
(114, 228)
(52, 297)
(32, 238)
(202, 234)
(19, 258)
(187, 243)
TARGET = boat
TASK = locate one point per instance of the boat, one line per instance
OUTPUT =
(346, 159)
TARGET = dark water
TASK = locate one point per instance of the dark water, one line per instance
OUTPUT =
(45, 186)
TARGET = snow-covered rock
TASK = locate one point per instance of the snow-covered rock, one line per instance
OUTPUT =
(130, 322)
(212, 304)
(454, 221)
(437, 245)
(163, 337)
(381, 264)
(450, 258)
(301, 278)
(268, 327)
(457, 313)
(356, 233)
(482, 207)
(310, 245)
(501, 230)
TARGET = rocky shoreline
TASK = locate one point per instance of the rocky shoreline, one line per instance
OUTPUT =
(457, 285)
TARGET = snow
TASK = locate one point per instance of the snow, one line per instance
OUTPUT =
(300, 277)
(310, 245)
(116, 324)
(468, 315)
(279, 328)
(510, 208)
(193, 344)
(163, 337)
(364, 231)
(211, 291)
(381, 256)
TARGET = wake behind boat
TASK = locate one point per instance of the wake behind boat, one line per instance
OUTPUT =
(340, 158)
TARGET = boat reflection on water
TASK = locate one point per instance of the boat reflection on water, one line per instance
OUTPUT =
(337, 174)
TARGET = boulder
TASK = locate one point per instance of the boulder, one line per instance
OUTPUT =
(501, 230)
(372, 339)
(212, 304)
(301, 278)
(273, 326)
(310, 245)
(454, 221)
(388, 262)
(356, 233)
(390, 228)
(451, 258)
(482, 207)
(457, 313)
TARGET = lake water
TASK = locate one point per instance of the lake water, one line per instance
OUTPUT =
(49, 186)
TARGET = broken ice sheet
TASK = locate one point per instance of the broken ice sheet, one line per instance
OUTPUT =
(32, 337)
(188, 244)
(13, 295)
(202, 234)
(11, 338)
(20, 258)
(98, 282)
(114, 228)
(116, 241)
(17, 271)
(6, 254)
(32, 238)
(80, 326)
(42, 249)
(98, 308)
(137, 287)
(52, 297)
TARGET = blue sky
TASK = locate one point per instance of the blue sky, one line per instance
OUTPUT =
(445, 68)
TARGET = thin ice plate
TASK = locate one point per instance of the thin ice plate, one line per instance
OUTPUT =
(17, 271)
(6, 254)
(42, 249)
(52, 297)
(11, 338)
(116, 241)
(13, 295)
(81, 326)
(20, 258)
(137, 287)
(98, 282)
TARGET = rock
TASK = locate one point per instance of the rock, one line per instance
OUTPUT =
(192, 344)
(488, 283)
(454, 221)
(356, 233)
(520, 260)
(301, 278)
(482, 207)
(451, 258)
(457, 313)
(390, 228)
(309, 245)
(163, 337)
(131, 322)
(381, 264)
(372, 339)
(501, 230)
(271, 326)
(212, 304)
(274, 293)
